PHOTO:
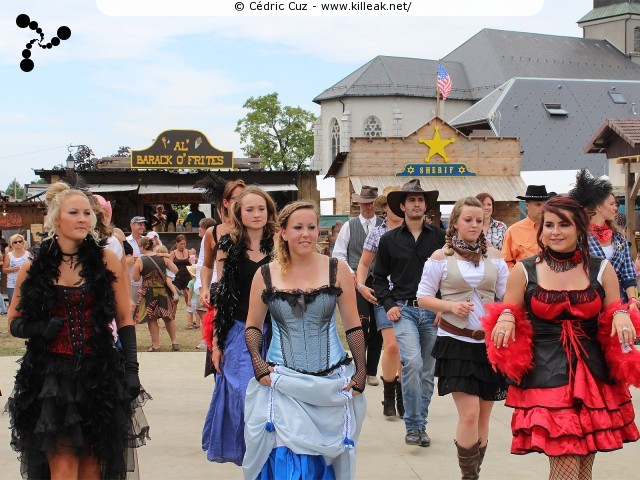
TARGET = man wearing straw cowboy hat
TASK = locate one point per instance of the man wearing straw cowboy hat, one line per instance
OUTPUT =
(348, 248)
(520, 239)
(402, 253)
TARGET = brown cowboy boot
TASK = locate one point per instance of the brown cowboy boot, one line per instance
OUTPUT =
(389, 402)
(469, 459)
(399, 402)
(482, 451)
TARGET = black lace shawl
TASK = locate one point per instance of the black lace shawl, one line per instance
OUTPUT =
(227, 289)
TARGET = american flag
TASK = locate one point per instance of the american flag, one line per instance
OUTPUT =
(444, 82)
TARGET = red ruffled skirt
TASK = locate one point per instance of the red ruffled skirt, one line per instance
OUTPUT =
(583, 417)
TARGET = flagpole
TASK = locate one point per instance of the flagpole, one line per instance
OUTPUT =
(437, 94)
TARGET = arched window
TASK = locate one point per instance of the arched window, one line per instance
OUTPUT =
(372, 127)
(335, 138)
(636, 40)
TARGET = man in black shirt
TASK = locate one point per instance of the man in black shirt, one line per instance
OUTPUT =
(402, 253)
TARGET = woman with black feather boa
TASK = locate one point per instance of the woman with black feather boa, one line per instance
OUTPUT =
(247, 247)
(75, 407)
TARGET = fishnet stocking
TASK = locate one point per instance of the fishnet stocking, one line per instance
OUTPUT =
(586, 467)
(355, 339)
(566, 467)
(253, 338)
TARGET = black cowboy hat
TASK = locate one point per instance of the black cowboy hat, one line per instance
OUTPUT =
(367, 194)
(535, 192)
(394, 199)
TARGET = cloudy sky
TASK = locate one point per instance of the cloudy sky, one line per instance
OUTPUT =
(122, 80)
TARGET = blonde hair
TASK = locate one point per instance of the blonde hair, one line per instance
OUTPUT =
(161, 249)
(56, 194)
(453, 218)
(238, 231)
(103, 227)
(13, 238)
(281, 246)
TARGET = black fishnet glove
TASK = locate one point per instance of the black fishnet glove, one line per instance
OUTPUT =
(355, 339)
(253, 338)
(47, 330)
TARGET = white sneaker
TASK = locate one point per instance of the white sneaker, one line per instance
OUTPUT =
(201, 345)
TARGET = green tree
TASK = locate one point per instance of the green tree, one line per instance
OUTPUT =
(123, 152)
(15, 190)
(281, 136)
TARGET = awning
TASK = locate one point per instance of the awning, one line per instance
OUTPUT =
(107, 188)
(501, 188)
(190, 189)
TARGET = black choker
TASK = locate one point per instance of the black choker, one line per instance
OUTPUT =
(562, 261)
(71, 261)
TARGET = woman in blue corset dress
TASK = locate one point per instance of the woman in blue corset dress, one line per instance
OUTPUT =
(303, 409)
(241, 253)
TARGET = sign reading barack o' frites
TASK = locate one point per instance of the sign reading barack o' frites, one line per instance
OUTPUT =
(182, 149)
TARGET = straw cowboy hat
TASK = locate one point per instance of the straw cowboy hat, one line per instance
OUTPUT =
(535, 192)
(192, 270)
(381, 201)
(394, 199)
(367, 194)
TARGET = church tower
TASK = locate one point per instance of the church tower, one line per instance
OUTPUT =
(618, 22)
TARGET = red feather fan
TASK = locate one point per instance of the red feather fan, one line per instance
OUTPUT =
(207, 327)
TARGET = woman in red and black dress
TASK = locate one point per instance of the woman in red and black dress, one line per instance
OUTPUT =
(569, 390)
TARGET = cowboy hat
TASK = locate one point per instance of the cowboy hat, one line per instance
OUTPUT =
(367, 194)
(381, 201)
(535, 192)
(192, 270)
(394, 199)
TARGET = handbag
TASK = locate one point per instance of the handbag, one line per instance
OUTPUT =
(164, 278)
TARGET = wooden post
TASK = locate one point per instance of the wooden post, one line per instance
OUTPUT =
(437, 95)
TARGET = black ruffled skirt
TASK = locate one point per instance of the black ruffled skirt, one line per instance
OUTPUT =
(464, 367)
(80, 407)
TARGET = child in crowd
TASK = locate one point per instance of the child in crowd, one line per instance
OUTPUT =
(169, 276)
(195, 311)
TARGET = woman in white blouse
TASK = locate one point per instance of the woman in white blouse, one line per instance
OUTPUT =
(468, 273)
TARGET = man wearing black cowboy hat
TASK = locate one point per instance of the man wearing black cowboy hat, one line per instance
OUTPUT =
(520, 240)
(402, 253)
(348, 247)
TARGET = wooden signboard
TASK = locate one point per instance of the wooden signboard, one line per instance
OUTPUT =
(182, 149)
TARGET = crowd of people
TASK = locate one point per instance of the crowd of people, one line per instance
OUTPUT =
(416, 303)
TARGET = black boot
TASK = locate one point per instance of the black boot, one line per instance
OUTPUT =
(399, 402)
(389, 402)
(469, 459)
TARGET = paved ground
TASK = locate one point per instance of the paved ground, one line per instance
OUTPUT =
(182, 396)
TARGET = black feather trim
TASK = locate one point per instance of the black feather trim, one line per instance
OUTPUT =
(213, 186)
(590, 192)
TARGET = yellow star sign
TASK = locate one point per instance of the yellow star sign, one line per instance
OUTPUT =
(436, 145)
(410, 170)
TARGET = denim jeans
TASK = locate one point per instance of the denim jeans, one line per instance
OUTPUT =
(416, 336)
(10, 294)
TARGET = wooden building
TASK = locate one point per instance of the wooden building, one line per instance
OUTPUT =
(442, 158)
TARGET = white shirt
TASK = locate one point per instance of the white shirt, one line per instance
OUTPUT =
(136, 254)
(436, 270)
(342, 242)
(198, 282)
(113, 244)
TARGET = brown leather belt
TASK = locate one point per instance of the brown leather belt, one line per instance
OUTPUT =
(462, 332)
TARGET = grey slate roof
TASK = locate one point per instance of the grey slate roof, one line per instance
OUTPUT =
(609, 11)
(491, 57)
(398, 76)
(552, 142)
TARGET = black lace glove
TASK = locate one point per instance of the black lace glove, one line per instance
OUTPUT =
(46, 329)
(355, 339)
(253, 337)
(127, 335)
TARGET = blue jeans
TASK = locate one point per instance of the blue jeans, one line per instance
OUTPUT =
(382, 321)
(416, 336)
(10, 294)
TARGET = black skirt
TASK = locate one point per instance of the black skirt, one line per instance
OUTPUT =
(463, 367)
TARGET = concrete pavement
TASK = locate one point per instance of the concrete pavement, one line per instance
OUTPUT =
(181, 398)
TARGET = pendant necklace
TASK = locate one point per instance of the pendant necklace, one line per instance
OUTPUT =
(70, 260)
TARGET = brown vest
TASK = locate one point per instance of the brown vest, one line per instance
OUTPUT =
(454, 288)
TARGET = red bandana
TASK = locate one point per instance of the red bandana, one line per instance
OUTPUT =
(602, 232)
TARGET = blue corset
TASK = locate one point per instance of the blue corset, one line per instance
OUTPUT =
(304, 335)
